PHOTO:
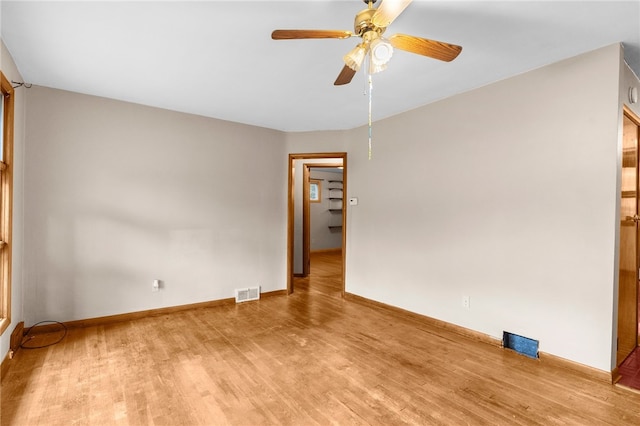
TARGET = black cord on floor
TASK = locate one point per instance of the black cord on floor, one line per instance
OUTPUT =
(27, 337)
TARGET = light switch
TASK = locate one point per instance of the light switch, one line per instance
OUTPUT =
(353, 201)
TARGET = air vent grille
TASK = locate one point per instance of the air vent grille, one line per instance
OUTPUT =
(522, 345)
(247, 294)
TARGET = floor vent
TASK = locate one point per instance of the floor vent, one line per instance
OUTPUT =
(246, 294)
(522, 345)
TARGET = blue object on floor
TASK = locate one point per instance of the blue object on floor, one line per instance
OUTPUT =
(522, 345)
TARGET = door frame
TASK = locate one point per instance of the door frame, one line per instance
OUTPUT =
(636, 119)
(627, 112)
(291, 210)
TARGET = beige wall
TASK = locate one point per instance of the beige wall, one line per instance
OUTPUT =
(506, 194)
(120, 194)
(321, 216)
(10, 71)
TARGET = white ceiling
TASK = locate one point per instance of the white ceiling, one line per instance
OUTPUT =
(217, 59)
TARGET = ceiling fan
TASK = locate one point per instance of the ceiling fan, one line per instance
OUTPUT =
(369, 25)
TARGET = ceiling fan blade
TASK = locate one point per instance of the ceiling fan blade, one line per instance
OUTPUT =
(345, 77)
(299, 34)
(422, 46)
(388, 11)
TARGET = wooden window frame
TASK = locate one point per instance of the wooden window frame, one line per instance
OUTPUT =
(6, 202)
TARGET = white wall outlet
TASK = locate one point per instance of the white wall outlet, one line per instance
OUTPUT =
(466, 302)
(156, 285)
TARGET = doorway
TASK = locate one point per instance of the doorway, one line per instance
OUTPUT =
(322, 209)
(628, 297)
(299, 176)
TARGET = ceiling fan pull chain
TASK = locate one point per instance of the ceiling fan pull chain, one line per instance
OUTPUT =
(365, 73)
(370, 102)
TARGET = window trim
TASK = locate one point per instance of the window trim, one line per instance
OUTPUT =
(318, 184)
(6, 202)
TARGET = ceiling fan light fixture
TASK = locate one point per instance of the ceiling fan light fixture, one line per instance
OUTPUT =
(376, 68)
(381, 51)
(355, 57)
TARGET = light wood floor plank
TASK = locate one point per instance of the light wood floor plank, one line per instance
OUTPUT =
(311, 358)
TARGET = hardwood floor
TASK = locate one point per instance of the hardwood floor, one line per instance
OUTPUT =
(630, 370)
(630, 367)
(304, 359)
(325, 276)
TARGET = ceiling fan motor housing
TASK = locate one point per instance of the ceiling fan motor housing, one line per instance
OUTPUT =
(363, 23)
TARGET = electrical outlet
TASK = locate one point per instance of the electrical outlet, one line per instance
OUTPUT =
(156, 285)
(466, 302)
